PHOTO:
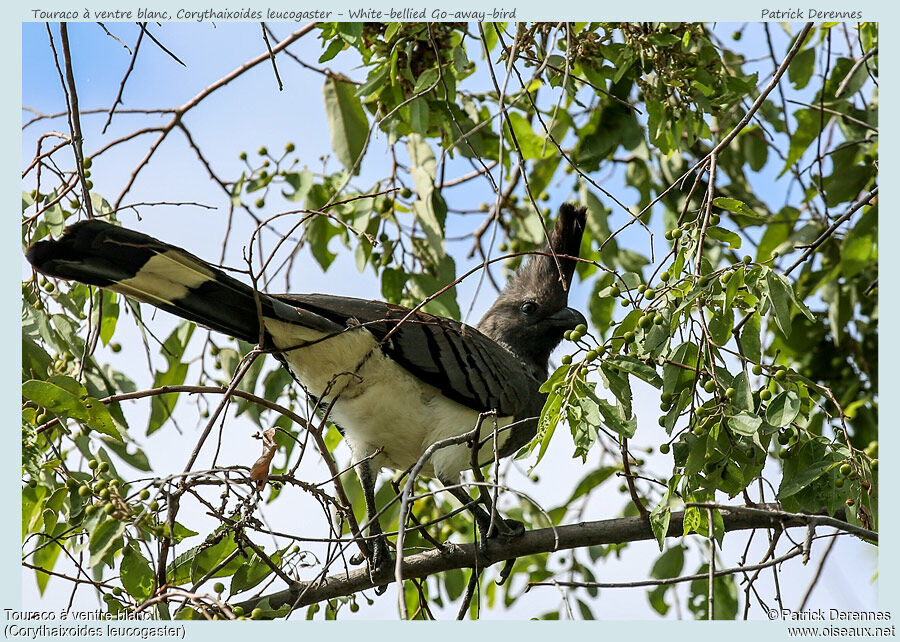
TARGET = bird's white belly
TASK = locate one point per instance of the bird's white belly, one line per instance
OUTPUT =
(380, 406)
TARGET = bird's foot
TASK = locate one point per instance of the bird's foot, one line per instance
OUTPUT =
(379, 561)
(503, 531)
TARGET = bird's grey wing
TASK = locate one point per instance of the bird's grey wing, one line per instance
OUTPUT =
(455, 358)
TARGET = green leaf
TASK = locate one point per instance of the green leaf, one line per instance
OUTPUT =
(807, 475)
(454, 583)
(135, 572)
(783, 409)
(252, 572)
(750, 338)
(720, 326)
(860, 245)
(676, 377)
(659, 520)
(801, 68)
(743, 398)
(780, 296)
(346, 120)
(319, 231)
(105, 540)
(745, 423)
(65, 397)
(693, 520)
(550, 416)
(669, 564)
(808, 127)
(301, 182)
(532, 145)
(161, 406)
(726, 236)
(334, 48)
(735, 206)
(638, 368)
(590, 481)
(110, 315)
(418, 116)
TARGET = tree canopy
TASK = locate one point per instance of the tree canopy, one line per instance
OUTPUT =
(727, 383)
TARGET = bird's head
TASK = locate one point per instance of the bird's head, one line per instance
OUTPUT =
(531, 314)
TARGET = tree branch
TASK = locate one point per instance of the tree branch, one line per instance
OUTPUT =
(543, 540)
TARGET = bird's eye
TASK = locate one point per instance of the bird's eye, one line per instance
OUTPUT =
(529, 307)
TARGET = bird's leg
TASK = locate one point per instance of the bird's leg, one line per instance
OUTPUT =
(377, 542)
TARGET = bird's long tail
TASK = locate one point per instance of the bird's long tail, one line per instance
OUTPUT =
(137, 265)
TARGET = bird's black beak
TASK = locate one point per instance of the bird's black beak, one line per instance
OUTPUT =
(567, 318)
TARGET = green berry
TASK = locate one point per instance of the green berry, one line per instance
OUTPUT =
(260, 203)
(109, 508)
(714, 219)
(676, 233)
(103, 466)
(658, 319)
(846, 469)
(405, 192)
(666, 397)
(780, 375)
(566, 359)
(218, 587)
(256, 614)
(664, 449)
(115, 347)
(243, 155)
(614, 291)
(238, 610)
(757, 369)
(144, 494)
(93, 463)
(709, 386)
(591, 355)
(839, 482)
(662, 421)
(748, 259)
(289, 147)
(581, 328)
(665, 276)
(262, 151)
(730, 392)
(629, 336)
(642, 288)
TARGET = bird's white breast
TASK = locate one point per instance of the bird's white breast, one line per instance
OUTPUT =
(378, 404)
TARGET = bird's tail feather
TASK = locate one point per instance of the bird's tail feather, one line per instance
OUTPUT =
(137, 265)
